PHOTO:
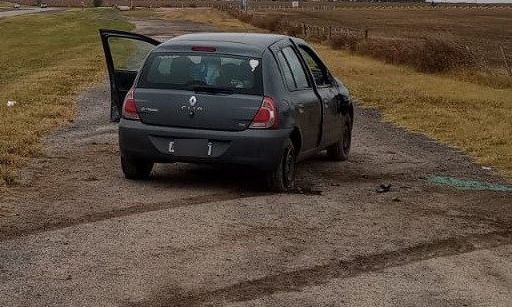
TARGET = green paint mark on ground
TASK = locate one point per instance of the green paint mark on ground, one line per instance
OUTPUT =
(469, 184)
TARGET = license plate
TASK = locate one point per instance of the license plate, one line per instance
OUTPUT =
(191, 147)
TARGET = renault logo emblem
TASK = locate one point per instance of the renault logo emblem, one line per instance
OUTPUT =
(191, 109)
(192, 101)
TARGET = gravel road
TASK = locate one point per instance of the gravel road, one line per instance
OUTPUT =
(74, 232)
(28, 10)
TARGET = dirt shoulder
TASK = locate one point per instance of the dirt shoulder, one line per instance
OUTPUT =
(74, 232)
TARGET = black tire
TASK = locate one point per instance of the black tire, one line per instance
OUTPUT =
(341, 150)
(135, 169)
(282, 179)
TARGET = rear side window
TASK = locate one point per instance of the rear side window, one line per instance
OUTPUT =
(287, 73)
(298, 71)
(182, 71)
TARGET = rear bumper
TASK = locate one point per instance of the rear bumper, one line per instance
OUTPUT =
(252, 147)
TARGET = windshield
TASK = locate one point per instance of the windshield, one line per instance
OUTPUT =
(202, 72)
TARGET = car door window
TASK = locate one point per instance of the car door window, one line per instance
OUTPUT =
(318, 70)
(128, 54)
(298, 73)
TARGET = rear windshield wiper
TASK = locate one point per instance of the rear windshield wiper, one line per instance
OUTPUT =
(212, 89)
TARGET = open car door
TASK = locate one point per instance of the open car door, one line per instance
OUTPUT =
(125, 53)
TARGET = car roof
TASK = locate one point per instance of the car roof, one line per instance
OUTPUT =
(251, 44)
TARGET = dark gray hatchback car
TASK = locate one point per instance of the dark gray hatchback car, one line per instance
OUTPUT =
(258, 100)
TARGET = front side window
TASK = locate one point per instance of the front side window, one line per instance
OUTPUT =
(182, 71)
(318, 70)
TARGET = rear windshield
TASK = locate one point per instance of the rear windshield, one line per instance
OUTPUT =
(182, 71)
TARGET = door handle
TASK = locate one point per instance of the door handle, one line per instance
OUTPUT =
(326, 102)
(300, 107)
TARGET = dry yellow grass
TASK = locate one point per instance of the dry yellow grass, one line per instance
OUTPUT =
(472, 117)
(480, 29)
(45, 60)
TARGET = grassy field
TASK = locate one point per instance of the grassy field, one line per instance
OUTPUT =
(472, 117)
(45, 60)
(482, 30)
(470, 44)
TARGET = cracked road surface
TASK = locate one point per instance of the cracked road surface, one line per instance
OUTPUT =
(74, 232)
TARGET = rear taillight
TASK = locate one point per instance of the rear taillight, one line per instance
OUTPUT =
(130, 107)
(266, 117)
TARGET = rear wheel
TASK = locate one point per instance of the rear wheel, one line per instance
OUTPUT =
(135, 169)
(341, 150)
(282, 178)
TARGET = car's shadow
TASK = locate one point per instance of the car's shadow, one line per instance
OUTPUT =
(185, 175)
(229, 177)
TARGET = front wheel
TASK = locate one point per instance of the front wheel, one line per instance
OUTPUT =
(341, 149)
(282, 178)
(135, 169)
